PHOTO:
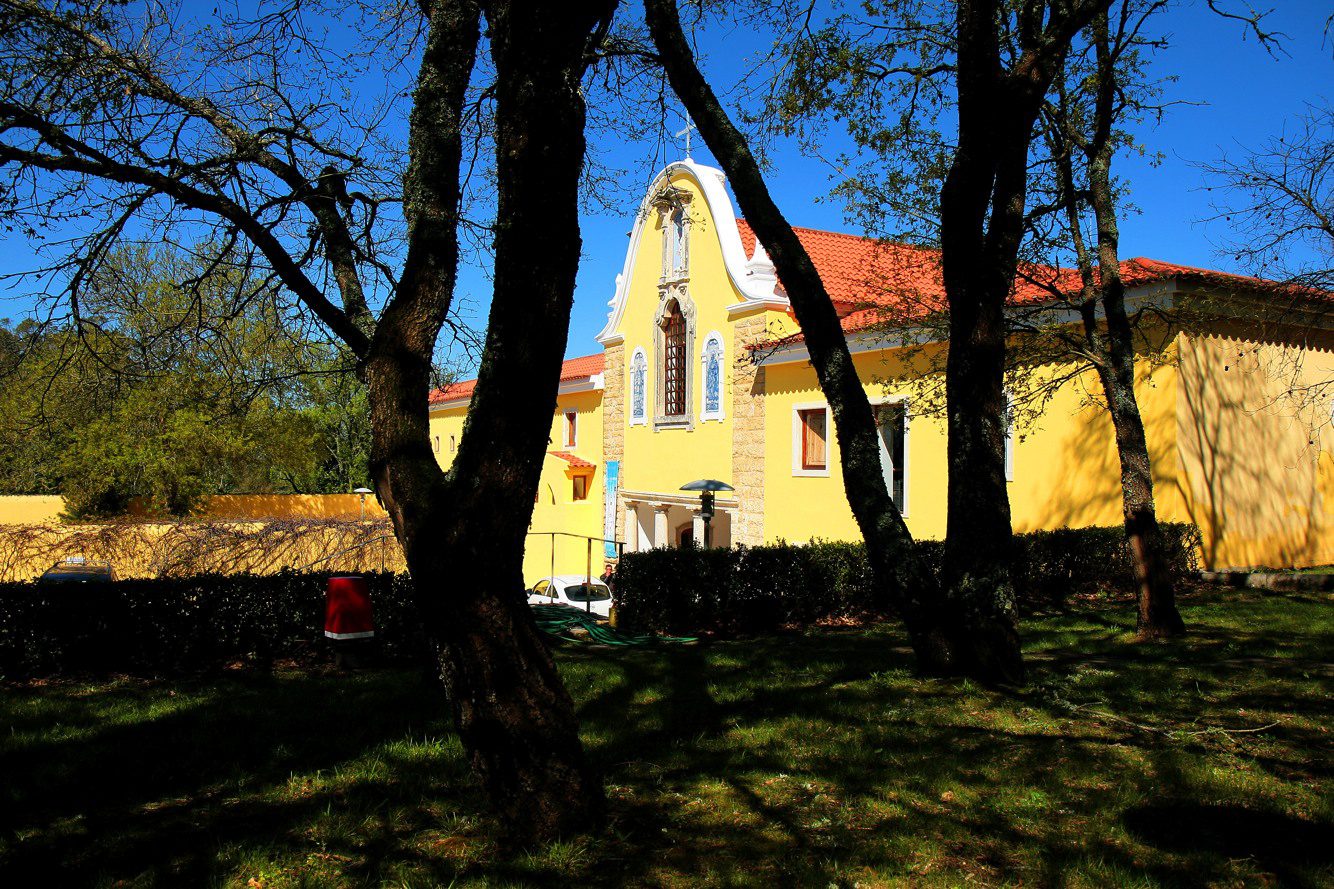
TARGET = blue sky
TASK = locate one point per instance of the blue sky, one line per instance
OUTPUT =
(1242, 96)
(1245, 96)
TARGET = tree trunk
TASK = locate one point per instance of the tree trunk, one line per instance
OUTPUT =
(979, 246)
(463, 534)
(900, 573)
(983, 223)
(1154, 585)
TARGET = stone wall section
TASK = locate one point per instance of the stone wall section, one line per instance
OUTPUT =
(748, 432)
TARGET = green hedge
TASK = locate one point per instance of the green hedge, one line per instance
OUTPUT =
(756, 589)
(186, 624)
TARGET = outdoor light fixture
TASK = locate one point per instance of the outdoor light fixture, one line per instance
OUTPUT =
(363, 492)
(706, 487)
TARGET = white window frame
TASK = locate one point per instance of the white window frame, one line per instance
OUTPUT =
(720, 414)
(907, 446)
(798, 471)
(567, 427)
(642, 419)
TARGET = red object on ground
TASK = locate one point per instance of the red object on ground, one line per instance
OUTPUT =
(347, 608)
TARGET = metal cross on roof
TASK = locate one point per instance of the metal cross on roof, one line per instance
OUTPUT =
(690, 125)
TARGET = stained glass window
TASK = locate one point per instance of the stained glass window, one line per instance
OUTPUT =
(713, 377)
(638, 370)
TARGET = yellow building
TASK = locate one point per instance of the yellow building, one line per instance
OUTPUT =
(703, 374)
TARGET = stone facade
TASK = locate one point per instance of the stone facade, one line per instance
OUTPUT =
(748, 433)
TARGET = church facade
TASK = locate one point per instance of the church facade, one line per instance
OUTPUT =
(701, 372)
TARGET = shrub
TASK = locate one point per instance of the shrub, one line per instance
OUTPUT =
(184, 624)
(757, 589)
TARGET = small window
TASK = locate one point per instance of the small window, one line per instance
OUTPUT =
(813, 450)
(452, 446)
(435, 444)
(581, 487)
(571, 428)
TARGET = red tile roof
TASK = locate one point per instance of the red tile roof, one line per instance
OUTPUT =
(576, 462)
(865, 276)
(854, 269)
(573, 369)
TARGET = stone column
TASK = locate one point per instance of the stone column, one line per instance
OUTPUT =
(697, 527)
(748, 433)
(631, 527)
(660, 530)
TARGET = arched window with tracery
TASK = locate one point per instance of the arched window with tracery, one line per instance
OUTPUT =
(674, 361)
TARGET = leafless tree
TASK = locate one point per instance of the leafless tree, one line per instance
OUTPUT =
(265, 135)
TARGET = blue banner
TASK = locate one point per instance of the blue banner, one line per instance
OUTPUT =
(612, 488)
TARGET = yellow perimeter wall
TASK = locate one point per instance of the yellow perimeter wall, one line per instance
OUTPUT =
(178, 549)
(47, 510)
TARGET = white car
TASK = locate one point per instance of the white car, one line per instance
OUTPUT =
(574, 590)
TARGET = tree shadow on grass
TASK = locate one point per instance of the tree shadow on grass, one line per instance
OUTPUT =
(1276, 841)
(137, 792)
(792, 760)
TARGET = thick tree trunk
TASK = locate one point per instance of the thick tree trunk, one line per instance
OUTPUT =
(899, 572)
(979, 246)
(463, 534)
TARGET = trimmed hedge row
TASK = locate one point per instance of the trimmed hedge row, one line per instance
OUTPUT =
(173, 625)
(756, 589)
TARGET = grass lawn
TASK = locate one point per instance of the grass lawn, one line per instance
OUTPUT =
(806, 760)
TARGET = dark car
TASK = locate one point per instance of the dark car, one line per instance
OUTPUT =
(77, 569)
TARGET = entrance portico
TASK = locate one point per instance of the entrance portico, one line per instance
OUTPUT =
(655, 519)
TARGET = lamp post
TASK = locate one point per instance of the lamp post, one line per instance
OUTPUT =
(706, 488)
(363, 492)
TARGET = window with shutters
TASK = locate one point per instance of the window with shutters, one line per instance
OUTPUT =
(810, 440)
(813, 439)
(674, 360)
